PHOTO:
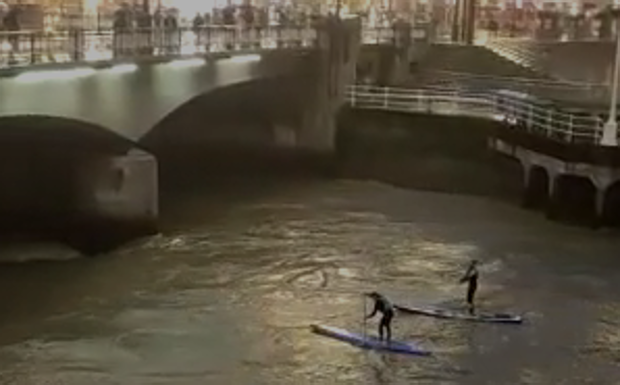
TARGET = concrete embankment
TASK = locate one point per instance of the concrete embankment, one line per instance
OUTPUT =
(434, 153)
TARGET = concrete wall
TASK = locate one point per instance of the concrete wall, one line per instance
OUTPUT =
(426, 152)
(585, 61)
(432, 152)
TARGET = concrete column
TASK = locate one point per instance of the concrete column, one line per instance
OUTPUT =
(390, 64)
(457, 20)
(119, 190)
(552, 209)
(469, 25)
(339, 42)
(403, 52)
(525, 203)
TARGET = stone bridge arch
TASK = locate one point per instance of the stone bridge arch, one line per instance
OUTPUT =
(268, 102)
(254, 125)
(60, 133)
(130, 99)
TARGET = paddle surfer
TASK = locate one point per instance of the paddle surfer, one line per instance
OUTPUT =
(471, 277)
(383, 306)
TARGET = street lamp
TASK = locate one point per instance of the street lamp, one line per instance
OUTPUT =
(610, 129)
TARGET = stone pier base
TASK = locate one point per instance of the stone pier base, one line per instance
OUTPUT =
(116, 200)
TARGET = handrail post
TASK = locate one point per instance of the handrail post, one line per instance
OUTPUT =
(208, 41)
(496, 104)
(77, 45)
(33, 56)
(549, 128)
(352, 91)
(530, 115)
(571, 137)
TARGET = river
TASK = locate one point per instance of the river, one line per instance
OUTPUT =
(226, 294)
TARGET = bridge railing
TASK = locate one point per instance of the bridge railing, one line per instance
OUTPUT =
(36, 47)
(520, 111)
(378, 35)
(419, 100)
(41, 47)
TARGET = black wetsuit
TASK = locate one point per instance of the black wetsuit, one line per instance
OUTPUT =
(471, 277)
(384, 306)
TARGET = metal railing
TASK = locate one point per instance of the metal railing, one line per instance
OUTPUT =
(520, 111)
(39, 47)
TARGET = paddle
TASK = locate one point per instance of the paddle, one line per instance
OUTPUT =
(364, 315)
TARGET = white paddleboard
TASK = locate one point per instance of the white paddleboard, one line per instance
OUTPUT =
(461, 314)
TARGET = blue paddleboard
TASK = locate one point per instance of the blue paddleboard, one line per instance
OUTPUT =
(461, 315)
(369, 342)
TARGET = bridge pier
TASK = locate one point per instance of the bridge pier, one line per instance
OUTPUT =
(537, 187)
(116, 200)
(384, 64)
(339, 43)
(564, 190)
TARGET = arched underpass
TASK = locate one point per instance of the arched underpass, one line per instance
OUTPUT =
(573, 200)
(240, 130)
(536, 192)
(48, 175)
(611, 206)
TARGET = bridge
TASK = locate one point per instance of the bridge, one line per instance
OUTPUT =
(109, 110)
(167, 69)
(102, 109)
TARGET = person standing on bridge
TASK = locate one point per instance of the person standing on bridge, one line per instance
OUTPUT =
(471, 277)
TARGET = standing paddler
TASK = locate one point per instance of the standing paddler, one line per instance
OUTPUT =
(471, 277)
(383, 306)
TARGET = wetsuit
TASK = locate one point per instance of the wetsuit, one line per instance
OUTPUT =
(383, 306)
(471, 277)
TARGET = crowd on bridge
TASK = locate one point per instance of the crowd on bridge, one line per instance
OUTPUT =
(132, 29)
(163, 27)
(247, 16)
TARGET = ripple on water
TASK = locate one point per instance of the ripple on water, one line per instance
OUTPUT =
(228, 300)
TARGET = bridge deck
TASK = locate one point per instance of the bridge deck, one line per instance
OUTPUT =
(22, 49)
